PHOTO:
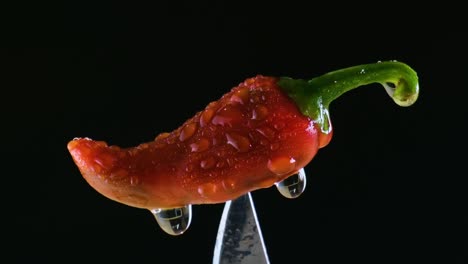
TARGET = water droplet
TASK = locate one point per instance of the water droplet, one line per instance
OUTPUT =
(293, 186)
(118, 175)
(241, 95)
(241, 143)
(133, 152)
(105, 160)
(121, 154)
(208, 163)
(229, 185)
(187, 131)
(134, 180)
(230, 115)
(135, 199)
(143, 146)
(201, 145)
(260, 112)
(281, 165)
(220, 164)
(274, 146)
(325, 127)
(279, 125)
(159, 144)
(171, 140)
(99, 162)
(212, 104)
(206, 116)
(161, 136)
(263, 142)
(100, 143)
(267, 132)
(114, 148)
(221, 153)
(216, 141)
(249, 81)
(230, 161)
(282, 136)
(174, 221)
(189, 167)
(207, 189)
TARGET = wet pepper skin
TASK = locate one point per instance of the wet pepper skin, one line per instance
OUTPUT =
(251, 138)
(259, 133)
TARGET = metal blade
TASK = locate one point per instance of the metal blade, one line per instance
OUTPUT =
(239, 239)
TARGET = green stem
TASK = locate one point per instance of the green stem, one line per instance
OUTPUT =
(313, 97)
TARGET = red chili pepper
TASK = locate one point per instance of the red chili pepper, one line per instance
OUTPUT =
(260, 133)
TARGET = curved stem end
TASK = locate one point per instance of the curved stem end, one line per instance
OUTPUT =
(314, 96)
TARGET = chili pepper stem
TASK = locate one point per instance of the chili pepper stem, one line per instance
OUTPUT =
(314, 96)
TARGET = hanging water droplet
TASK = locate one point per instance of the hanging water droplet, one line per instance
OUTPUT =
(293, 186)
(174, 221)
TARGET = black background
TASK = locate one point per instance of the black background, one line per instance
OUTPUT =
(388, 188)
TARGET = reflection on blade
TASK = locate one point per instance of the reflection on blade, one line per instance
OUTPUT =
(239, 239)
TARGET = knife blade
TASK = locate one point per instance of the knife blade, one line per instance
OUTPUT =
(239, 239)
